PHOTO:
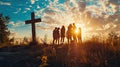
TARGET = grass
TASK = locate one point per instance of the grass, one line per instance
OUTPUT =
(91, 53)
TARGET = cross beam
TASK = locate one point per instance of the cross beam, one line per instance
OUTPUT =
(32, 22)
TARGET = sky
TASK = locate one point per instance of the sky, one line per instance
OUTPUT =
(93, 16)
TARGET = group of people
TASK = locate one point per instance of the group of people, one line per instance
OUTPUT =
(71, 34)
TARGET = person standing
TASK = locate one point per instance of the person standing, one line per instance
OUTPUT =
(73, 33)
(79, 35)
(62, 34)
(55, 35)
(58, 35)
(69, 34)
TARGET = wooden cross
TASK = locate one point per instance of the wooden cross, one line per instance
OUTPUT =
(32, 22)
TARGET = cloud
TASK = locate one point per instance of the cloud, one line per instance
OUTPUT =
(11, 29)
(49, 20)
(30, 6)
(110, 6)
(94, 10)
(32, 1)
(12, 23)
(13, 34)
(96, 15)
(109, 26)
(40, 12)
(24, 11)
(16, 24)
(5, 3)
(27, 8)
(18, 10)
(45, 28)
(114, 7)
(38, 6)
(114, 1)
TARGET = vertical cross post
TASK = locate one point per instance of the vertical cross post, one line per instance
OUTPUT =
(32, 22)
(33, 27)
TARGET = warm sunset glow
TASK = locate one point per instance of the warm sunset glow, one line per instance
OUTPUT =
(54, 13)
(76, 31)
(83, 30)
(59, 33)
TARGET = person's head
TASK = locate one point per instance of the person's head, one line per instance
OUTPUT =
(73, 24)
(70, 25)
(55, 28)
(63, 26)
(58, 28)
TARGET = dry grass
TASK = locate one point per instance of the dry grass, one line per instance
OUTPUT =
(92, 53)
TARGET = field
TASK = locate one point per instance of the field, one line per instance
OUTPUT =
(91, 53)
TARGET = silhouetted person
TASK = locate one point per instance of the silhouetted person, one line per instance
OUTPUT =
(58, 35)
(62, 34)
(79, 35)
(69, 33)
(73, 33)
(55, 35)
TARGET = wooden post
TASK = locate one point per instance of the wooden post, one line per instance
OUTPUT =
(32, 22)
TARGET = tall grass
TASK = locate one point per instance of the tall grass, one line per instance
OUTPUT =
(94, 52)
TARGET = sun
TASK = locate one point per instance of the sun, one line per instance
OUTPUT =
(83, 30)
(76, 31)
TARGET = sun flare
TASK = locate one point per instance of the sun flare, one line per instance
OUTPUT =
(76, 31)
(83, 30)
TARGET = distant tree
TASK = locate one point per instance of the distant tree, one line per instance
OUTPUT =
(4, 32)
